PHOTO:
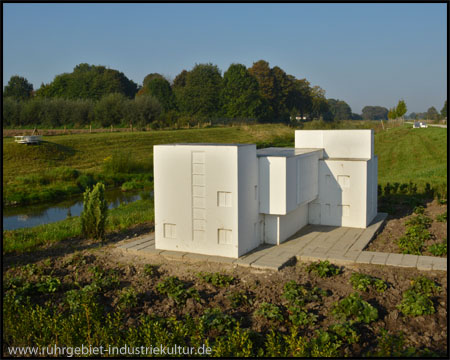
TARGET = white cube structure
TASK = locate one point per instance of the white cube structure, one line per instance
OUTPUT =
(227, 199)
(206, 198)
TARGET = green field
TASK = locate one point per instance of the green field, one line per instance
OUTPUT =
(65, 165)
(417, 155)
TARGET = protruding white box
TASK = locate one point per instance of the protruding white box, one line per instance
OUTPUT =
(288, 178)
(344, 144)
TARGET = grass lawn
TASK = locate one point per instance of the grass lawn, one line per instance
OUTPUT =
(418, 155)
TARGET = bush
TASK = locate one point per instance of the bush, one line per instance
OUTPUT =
(442, 217)
(439, 249)
(269, 311)
(415, 304)
(362, 282)
(95, 209)
(417, 299)
(216, 279)
(174, 288)
(85, 181)
(324, 269)
(355, 308)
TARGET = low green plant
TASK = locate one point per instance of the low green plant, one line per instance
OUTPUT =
(269, 311)
(419, 219)
(439, 249)
(176, 290)
(151, 270)
(324, 269)
(409, 245)
(441, 217)
(48, 284)
(346, 332)
(128, 298)
(95, 210)
(216, 279)
(417, 299)
(216, 319)
(77, 299)
(415, 304)
(240, 298)
(105, 279)
(415, 236)
(392, 345)
(299, 295)
(419, 210)
(424, 285)
(300, 317)
(353, 307)
(362, 282)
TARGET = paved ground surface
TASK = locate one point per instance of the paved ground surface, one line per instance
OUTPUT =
(339, 245)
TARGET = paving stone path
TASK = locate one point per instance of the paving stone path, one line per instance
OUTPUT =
(339, 245)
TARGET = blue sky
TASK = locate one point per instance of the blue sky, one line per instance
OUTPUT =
(364, 54)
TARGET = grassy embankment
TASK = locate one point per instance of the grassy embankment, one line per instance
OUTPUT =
(65, 165)
(405, 155)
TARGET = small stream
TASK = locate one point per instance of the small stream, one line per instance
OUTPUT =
(33, 215)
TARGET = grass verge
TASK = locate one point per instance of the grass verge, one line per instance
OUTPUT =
(31, 239)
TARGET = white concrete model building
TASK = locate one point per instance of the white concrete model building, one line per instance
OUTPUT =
(227, 199)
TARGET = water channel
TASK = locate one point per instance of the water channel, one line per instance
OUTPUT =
(33, 215)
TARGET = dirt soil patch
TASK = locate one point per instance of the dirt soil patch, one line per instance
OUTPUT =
(395, 228)
(258, 286)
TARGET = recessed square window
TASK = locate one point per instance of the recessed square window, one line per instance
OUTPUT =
(344, 181)
(170, 231)
(223, 199)
(224, 236)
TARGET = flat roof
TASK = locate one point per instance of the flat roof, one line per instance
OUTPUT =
(203, 144)
(286, 152)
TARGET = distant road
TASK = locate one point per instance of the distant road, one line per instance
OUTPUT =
(435, 125)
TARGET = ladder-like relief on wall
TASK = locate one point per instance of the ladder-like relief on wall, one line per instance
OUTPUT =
(198, 172)
(224, 236)
(170, 231)
(223, 199)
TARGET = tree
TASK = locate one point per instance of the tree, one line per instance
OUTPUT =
(266, 83)
(89, 82)
(143, 111)
(240, 94)
(201, 94)
(356, 116)
(18, 88)
(339, 109)
(432, 113)
(152, 76)
(401, 109)
(283, 86)
(444, 110)
(111, 109)
(180, 80)
(300, 98)
(320, 107)
(392, 114)
(374, 113)
(95, 212)
(159, 88)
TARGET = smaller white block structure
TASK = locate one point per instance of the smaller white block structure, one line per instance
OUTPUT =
(227, 199)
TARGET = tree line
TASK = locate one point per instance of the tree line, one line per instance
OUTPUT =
(101, 96)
